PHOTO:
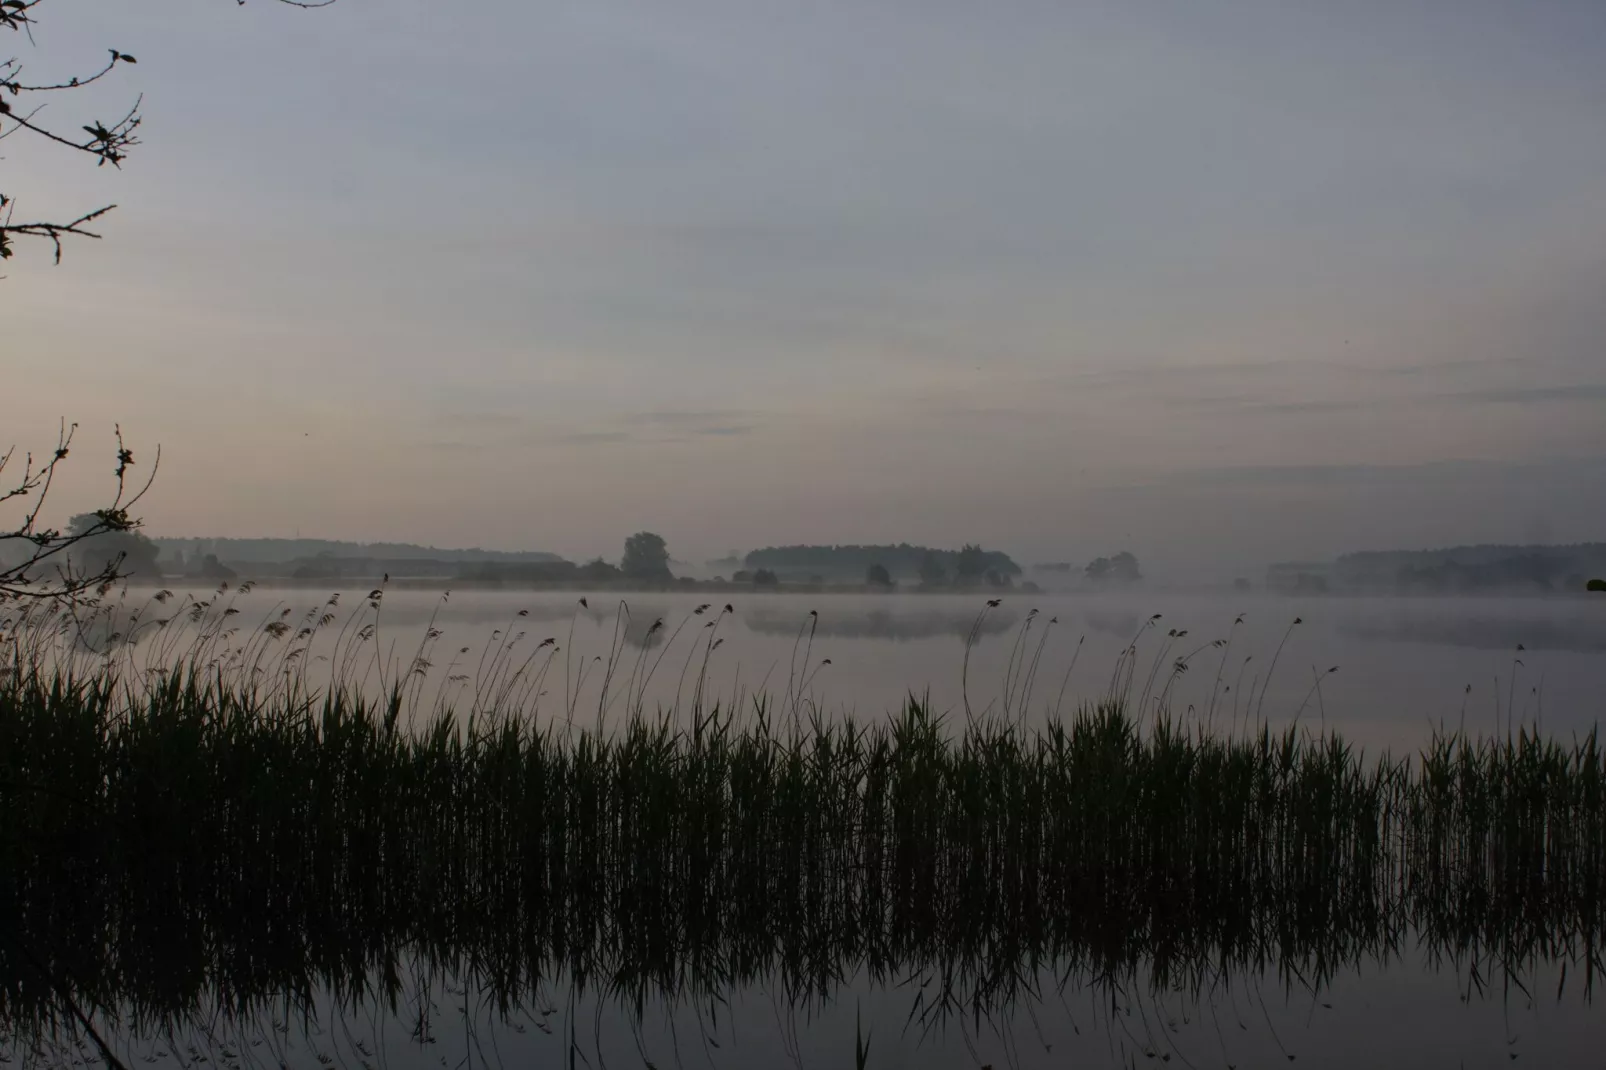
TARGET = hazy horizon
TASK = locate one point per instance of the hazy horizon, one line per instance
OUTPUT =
(1276, 280)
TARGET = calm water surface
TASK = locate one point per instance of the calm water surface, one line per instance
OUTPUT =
(1404, 666)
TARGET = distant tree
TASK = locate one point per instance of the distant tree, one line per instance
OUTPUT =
(1596, 585)
(210, 568)
(972, 563)
(844, 562)
(646, 558)
(996, 578)
(1123, 568)
(97, 551)
(599, 571)
(1309, 583)
(741, 575)
(932, 572)
(877, 576)
(765, 578)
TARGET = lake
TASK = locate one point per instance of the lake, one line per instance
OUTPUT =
(1404, 665)
(1388, 978)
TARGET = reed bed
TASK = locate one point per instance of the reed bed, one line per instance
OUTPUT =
(210, 835)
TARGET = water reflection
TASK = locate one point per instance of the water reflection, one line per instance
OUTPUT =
(901, 625)
(1120, 625)
(156, 894)
(1562, 632)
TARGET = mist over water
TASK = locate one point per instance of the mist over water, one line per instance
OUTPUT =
(1405, 666)
(1273, 296)
(1351, 988)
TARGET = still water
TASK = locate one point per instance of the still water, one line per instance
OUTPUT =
(1404, 667)
(1385, 1018)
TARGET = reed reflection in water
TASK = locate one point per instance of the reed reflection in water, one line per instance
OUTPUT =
(182, 845)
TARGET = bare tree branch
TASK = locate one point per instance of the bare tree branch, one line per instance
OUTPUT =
(45, 569)
(106, 142)
(52, 231)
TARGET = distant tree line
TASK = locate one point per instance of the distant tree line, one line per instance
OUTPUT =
(1472, 568)
(127, 553)
(758, 578)
(1122, 568)
(969, 565)
(254, 551)
(1526, 571)
(596, 571)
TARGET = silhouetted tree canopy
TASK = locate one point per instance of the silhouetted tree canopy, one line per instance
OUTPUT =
(877, 576)
(212, 569)
(972, 563)
(1596, 585)
(271, 550)
(1531, 571)
(1470, 568)
(1122, 568)
(98, 550)
(599, 571)
(847, 563)
(932, 571)
(646, 558)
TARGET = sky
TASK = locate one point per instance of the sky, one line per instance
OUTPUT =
(1217, 283)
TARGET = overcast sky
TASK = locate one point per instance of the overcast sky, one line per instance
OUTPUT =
(1216, 282)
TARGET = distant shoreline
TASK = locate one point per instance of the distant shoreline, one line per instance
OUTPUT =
(726, 587)
(449, 583)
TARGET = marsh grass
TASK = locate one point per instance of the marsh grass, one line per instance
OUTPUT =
(210, 822)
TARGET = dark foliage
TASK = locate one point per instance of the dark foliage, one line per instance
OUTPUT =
(646, 558)
(850, 562)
